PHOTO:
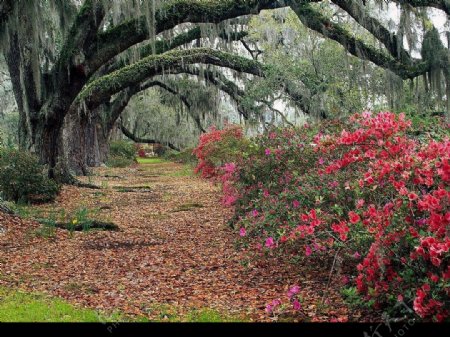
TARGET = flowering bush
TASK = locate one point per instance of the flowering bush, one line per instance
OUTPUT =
(140, 151)
(366, 190)
(218, 153)
(216, 148)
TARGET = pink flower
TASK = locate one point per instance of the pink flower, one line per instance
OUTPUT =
(296, 305)
(360, 203)
(270, 243)
(270, 307)
(242, 232)
(356, 255)
(266, 193)
(276, 303)
(267, 152)
(229, 200)
(295, 203)
(308, 251)
(230, 167)
(255, 213)
(293, 291)
(334, 184)
(321, 161)
(345, 279)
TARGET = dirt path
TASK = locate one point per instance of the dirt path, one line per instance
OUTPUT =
(173, 248)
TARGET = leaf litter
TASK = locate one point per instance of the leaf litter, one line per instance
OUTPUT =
(186, 259)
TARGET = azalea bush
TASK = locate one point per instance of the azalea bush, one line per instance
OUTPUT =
(218, 147)
(141, 153)
(367, 189)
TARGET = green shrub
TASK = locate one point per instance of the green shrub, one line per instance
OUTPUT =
(119, 161)
(159, 150)
(22, 178)
(185, 157)
(122, 149)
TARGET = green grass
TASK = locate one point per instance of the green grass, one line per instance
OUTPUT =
(186, 171)
(150, 160)
(169, 313)
(211, 316)
(18, 306)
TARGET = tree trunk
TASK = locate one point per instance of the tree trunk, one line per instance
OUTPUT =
(50, 149)
(87, 136)
(75, 141)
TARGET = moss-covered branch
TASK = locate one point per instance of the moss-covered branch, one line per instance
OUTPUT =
(318, 22)
(388, 39)
(439, 4)
(115, 108)
(162, 46)
(174, 12)
(99, 91)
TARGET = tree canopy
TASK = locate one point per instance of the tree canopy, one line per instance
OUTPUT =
(80, 62)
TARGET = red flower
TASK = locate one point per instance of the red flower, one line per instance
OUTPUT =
(412, 196)
(434, 278)
(354, 218)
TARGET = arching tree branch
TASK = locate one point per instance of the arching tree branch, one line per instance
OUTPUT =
(115, 108)
(164, 45)
(136, 139)
(100, 90)
(174, 12)
(183, 99)
(439, 4)
(318, 22)
(388, 39)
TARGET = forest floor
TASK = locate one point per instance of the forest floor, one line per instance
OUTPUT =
(173, 254)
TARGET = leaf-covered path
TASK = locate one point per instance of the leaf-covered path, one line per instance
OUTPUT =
(173, 248)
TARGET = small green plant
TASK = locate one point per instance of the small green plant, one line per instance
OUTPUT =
(48, 228)
(81, 217)
(352, 297)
